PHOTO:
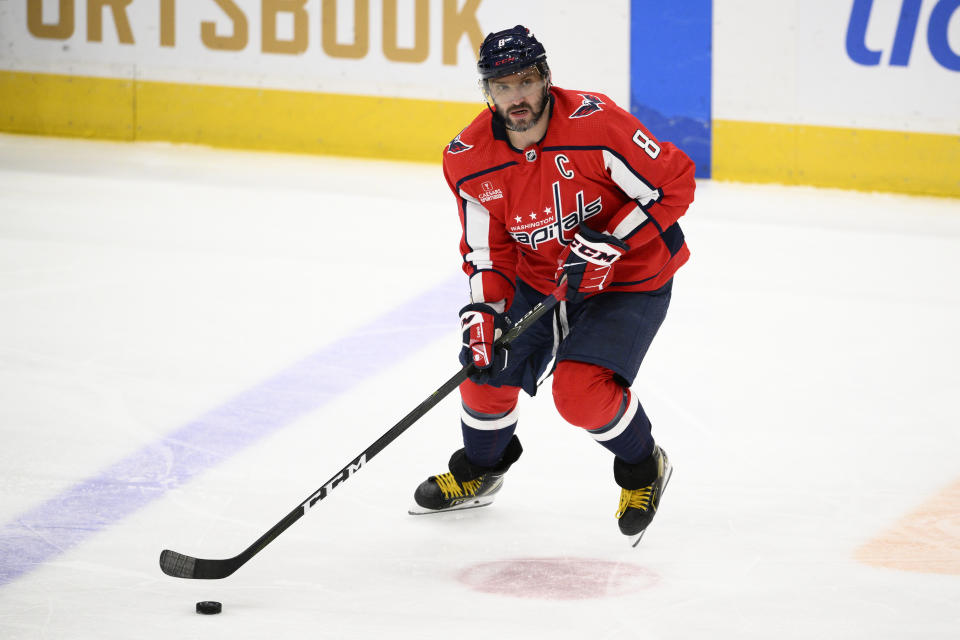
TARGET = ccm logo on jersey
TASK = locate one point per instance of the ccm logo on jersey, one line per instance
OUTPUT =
(457, 146)
(591, 104)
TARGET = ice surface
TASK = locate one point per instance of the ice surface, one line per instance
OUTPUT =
(192, 341)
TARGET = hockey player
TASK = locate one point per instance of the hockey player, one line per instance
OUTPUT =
(550, 184)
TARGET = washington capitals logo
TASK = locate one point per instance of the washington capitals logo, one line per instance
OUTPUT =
(456, 146)
(591, 104)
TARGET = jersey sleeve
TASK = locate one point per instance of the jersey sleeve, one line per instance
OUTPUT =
(658, 177)
(489, 253)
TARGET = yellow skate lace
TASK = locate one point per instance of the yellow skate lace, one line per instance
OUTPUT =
(636, 498)
(453, 489)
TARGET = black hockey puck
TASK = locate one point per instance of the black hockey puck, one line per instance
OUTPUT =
(209, 607)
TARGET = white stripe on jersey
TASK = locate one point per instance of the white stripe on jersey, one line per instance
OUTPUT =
(476, 229)
(621, 425)
(633, 220)
(631, 184)
(635, 187)
(489, 425)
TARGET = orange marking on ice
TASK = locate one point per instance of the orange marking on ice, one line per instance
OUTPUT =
(925, 540)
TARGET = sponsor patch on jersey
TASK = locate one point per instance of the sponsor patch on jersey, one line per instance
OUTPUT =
(458, 146)
(489, 191)
(591, 104)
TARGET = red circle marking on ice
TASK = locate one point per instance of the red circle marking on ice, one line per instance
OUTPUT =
(557, 578)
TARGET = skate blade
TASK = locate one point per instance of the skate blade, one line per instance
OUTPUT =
(635, 539)
(417, 510)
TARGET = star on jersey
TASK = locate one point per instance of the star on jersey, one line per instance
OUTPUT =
(533, 216)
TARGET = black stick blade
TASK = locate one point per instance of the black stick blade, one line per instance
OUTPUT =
(177, 565)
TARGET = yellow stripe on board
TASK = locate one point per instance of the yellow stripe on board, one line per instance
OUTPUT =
(393, 128)
(57, 105)
(407, 129)
(864, 159)
(265, 119)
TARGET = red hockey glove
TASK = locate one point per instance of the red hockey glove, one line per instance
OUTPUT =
(482, 325)
(588, 262)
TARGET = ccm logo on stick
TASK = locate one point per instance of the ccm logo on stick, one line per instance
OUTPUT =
(343, 476)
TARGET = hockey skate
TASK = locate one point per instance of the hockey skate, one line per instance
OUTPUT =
(639, 496)
(465, 486)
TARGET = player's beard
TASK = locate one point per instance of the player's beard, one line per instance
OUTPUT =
(520, 127)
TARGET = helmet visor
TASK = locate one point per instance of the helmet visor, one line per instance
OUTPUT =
(514, 87)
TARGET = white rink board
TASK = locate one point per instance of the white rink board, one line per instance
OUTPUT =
(588, 47)
(786, 62)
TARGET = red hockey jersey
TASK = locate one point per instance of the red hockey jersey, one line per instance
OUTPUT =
(597, 166)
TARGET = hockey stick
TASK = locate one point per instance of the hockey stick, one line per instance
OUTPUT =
(180, 565)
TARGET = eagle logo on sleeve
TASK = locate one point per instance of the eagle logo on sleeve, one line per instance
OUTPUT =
(591, 104)
(458, 146)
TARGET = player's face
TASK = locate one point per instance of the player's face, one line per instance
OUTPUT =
(519, 98)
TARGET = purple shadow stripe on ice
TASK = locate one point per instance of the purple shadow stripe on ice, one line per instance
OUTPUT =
(100, 501)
